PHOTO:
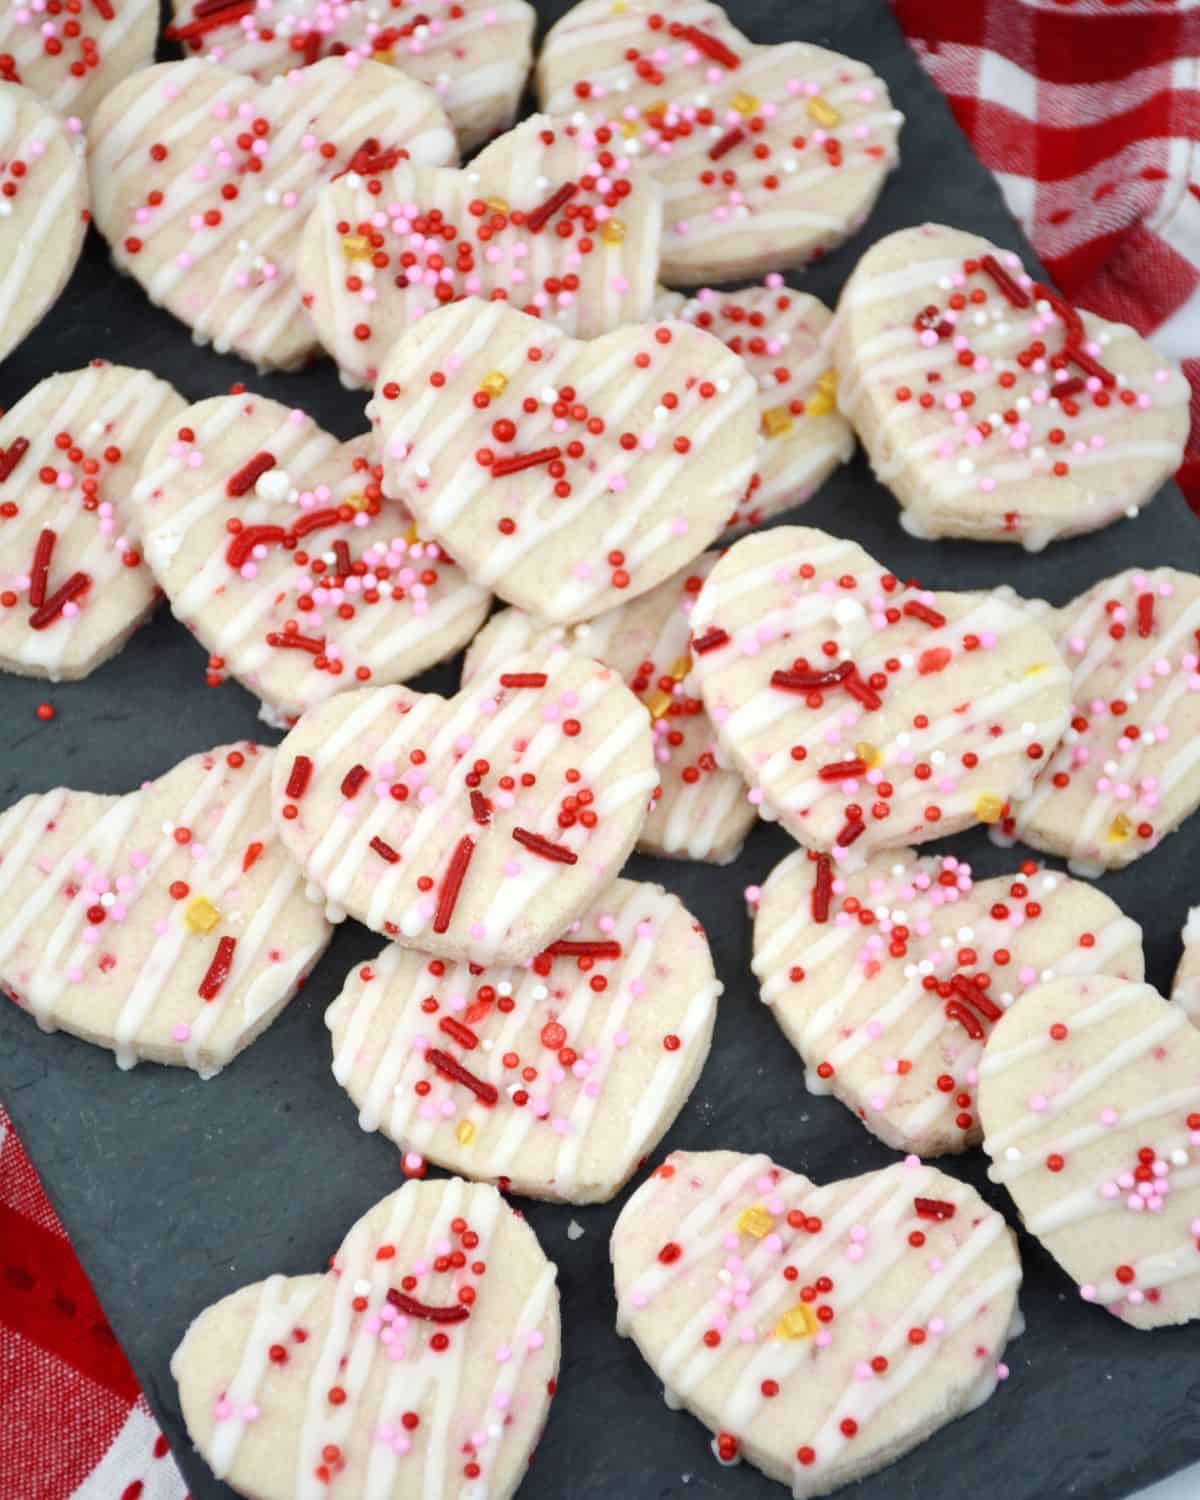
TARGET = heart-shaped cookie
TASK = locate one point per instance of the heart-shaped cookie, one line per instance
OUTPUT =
(477, 827)
(1090, 1096)
(867, 713)
(767, 156)
(818, 1332)
(544, 218)
(1185, 990)
(167, 924)
(990, 406)
(279, 551)
(474, 54)
(72, 55)
(779, 334)
(569, 477)
(1127, 772)
(700, 809)
(43, 209)
(556, 1079)
(202, 180)
(888, 980)
(73, 588)
(421, 1363)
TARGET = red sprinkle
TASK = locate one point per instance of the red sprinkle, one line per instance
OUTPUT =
(481, 808)
(515, 462)
(452, 881)
(1145, 614)
(1009, 289)
(247, 476)
(838, 770)
(39, 573)
(450, 1068)
(385, 851)
(578, 948)
(289, 640)
(710, 641)
(851, 829)
(725, 145)
(244, 543)
(352, 780)
(969, 1022)
(252, 855)
(806, 682)
(218, 970)
(457, 1312)
(536, 844)
(537, 218)
(297, 782)
(934, 1208)
(711, 46)
(822, 888)
(463, 1035)
(1089, 366)
(53, 606)
(523, 679)
(12, 456)
(915, 610)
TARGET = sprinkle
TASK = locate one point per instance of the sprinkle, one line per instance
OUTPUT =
(385, 851)
(516, 462)
(11, 456)
(58, 601)
(1009, 288)
(218, 970)
(297, 783)
(709, 642)
(523, 679)
(39, 572)
(934, 1208)
(249, 474)
(536, 844)
(201, 915)
(452, 882)
(457, 1312)
(711, 46)
(822, 889)
(450, 1068)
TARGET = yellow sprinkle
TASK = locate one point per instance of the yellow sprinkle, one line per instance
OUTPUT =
(464, 1132)
(818, 405)
(755, 1221)
(383, 57)
(989, 807)
(827, 382)
(1120, 828)
(356, 247)
(745, 104)
(201, 915)
(1038, 666)
(612, 232)
(618, 7)
(629, 128)
(412, 536)
(776, 421)
(658, 704)
(357, 501)
(822, 113)
(680, 667)
(799, 1322)
(498, 205)
(659, 107)
(495, 382)
(868, 754)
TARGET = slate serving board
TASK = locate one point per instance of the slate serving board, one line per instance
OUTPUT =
(176, 1192)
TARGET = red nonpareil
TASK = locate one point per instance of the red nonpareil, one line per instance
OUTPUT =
(248, 475)
(523, 679)
(1145, 615)
(580, 948)
(218, 970)
(537, 218)
(934, 1208)
(39, 573)
(711, 46)
(463, 1035)
(301, 775)
(536, 844)
(243, 544)
(809, 682)
(450, 1068)
(1009, 288)
(456, 1312)
(516, 462)
(725, 145)
(12, 456)
(822, 891)
(352, 780)
(384, 851)
(709, 641)
(58, 601)
(456, 872)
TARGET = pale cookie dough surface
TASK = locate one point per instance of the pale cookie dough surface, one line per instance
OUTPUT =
(635, 451)
(989, 406)
(535, 220)
(900, 1297)
(73, 588)
(325, 584)
(887, 981)
(474, 54)
(477, 827)
(1185, 990)
(1127, 772)
(778, 332)
(214, 239)
(168, 924)
(701, 809)
(555, 1079)
(864, 712)
(105, 39)
(768, 156)
(43, 209)
(421, 1363)
(1090, 1097)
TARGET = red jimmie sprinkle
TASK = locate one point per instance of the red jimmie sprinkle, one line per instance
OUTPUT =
(218, 970)
(861, 690)
(290, 640)
(1090, 366)
(573, 948)
(711, 46)
(249, 474)
(934, 1208)
(242, 546)
(297, 782)
(352, 780)
(838, 770)
(315, 520)
(915, 610)
(39, 573)
(454, 1070)
(1009, 288)
(537, 218)
(223, 13)
(1071, 319)
(463, 1035)
(1145, 614)
(452, 881)
(710, 641)
(851, 830)
(58, 601)
(457, 1312)
(1067, 388)
(341, 552)
(806, 682)
(515, 462)
(822, 891)
(481, 808)
(104, 9)
(12, 456)
(536, 844)
(523, 679)
(252, 855)
(385, 851)
(728, 141)
(973, 995)
(969, 1022)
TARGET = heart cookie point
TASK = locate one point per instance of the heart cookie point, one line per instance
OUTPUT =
(616, 1018)
(477, 827)
(529, 222)
(991, 407)
(437, 1321)
(75, 587)
(888, 980)
(168, 924)
(1090, 1097)
(866, 713)
(700, 810)
(899, 1276)
(46, 203)
(280, 552)
(210, 224)
(768, 156)
(598, 470)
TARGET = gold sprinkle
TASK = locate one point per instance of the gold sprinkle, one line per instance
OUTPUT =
(495, 382)
(868, 754)
(776, 420)
(498, 205)
(745, 104)
(799, 1322)
(201, 915)
(1120, 828)
(612, 232)
(356, 247)
(412, 536)
(755, 1221)
(1038, 666)
(618, 7)
(659, 107)
(383, 57)
(629, 128)
(357, 501)
(824, 398)
(464, 1132)
(989, 807)
(658, 704)
(680, 667)
(822, 113)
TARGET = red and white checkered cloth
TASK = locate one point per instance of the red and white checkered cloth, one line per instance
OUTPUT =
(1088, 112)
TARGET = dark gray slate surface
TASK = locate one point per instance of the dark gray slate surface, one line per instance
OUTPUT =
(176, 1192)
